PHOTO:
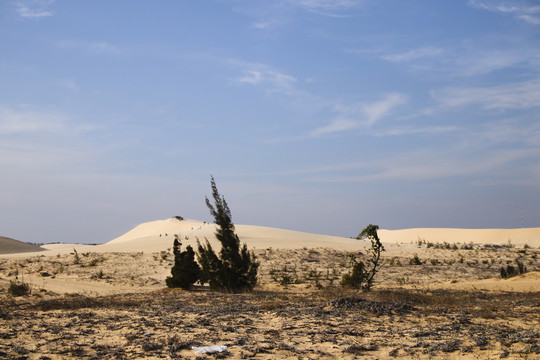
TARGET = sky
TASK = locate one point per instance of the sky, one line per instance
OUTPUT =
(312, 115)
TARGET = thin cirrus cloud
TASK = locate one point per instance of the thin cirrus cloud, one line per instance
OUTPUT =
(422, 166)
(265, 76)
(94, 47)
(472, 60)
(332, 8)
(271, 15)
(360, 114)
(414, 54)
(521, 9)
(34, 9)
(522, 95)
(20, 121)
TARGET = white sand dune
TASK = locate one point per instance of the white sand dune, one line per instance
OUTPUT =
(159, 235)
(518, 237)
(155, 236)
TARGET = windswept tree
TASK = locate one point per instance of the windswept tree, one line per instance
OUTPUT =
(185, 271)
(362, 275)
(235, 269)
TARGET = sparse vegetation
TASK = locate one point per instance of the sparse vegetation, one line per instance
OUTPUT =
(511, 271)
(236, 268)
(18, 288)
(361, 275)
(415, 260)
(76, 257)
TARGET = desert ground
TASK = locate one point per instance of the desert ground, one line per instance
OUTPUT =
(439, 294)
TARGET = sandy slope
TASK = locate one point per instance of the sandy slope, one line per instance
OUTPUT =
(155, 236)
(12, 246)
(298, 319)
(530, 236)
(522, 283)
(159, 235)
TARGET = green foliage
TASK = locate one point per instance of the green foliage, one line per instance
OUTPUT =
(185, 271)
(236, 268)
(361, 275)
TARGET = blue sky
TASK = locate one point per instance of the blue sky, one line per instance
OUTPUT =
(313, 115)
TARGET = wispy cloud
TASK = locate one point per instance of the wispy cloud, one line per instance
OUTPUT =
(523, 95)
(466, 59)
(270, 15)
(432, 130)
(338, 125)
(95, 47)
(360, 114)
(414, 54)
(34, 9)
(265, 76)
(523, 10)
(16, 121)
(332, 8)
(433, 165)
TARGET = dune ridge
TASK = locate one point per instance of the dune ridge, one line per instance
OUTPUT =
(159, 235)
(12, 246)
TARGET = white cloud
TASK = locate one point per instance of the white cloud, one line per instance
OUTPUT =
(14, 121)
(521, 9)
(338, 125)
(433, 165)
(269, 15)
(414, 54)
(466, 59)
(523, 95)
(360, 114)
(400, 131)
(332, 8)
(376, 111)
(34, 9)
(265, 76)
(95, 47)
(479, 63)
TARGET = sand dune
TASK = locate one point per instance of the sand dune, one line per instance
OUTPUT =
(12, 246)
(159, 235)
(452, 303)
(529, 236)
(155, 236)
(522, 283)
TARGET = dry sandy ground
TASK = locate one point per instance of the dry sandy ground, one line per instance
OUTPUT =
(109, 301)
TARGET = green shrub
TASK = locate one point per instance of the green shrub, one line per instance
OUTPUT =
(185, 271)
(361, 275)
(236, 268)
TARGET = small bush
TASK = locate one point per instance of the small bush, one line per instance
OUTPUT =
(18, 288)
(415, 260)
(76, 257)
(361, 275)
(511, 271)
(185, 271)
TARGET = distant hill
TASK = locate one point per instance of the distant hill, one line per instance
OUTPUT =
(12, 246)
